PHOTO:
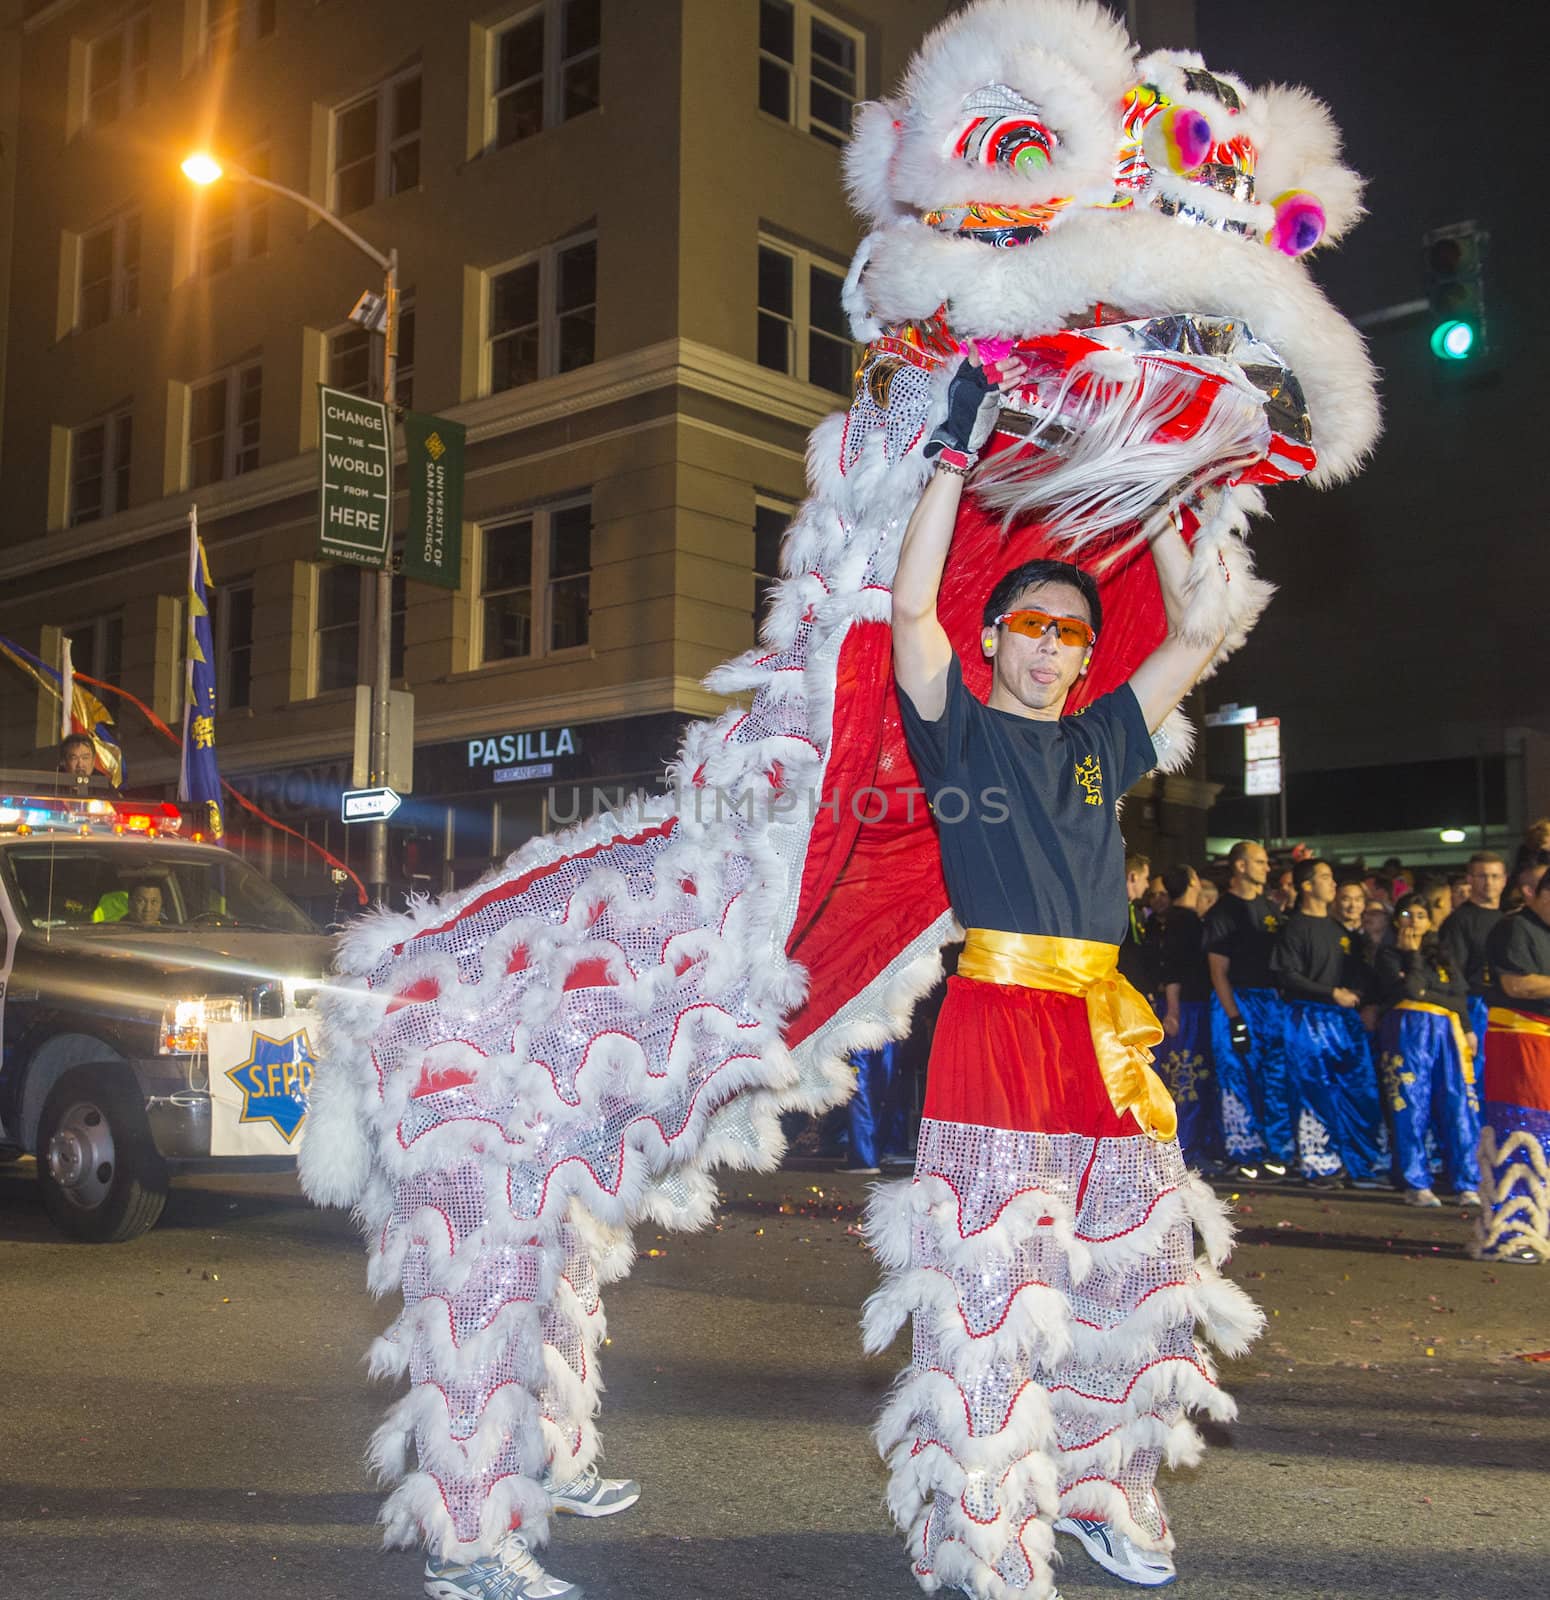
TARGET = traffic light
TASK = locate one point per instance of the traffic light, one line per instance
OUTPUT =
(1453, 264)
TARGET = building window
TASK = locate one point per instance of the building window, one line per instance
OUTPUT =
(234, 220)
(118, 70)
(108, 282)
(224, 413)
(338, 629)
(97, 646)
(543, 315)
(535, 579)
(545, 68)
(803, 329)
(355, 357)
(99, 467)
(233, 604)
(230, 24)
(771, 518)
(339, 662)
(376, 144)
(810, 68)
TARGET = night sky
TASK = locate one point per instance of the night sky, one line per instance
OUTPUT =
(1406, 624)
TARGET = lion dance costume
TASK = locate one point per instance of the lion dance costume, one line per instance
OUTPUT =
(519, 1072)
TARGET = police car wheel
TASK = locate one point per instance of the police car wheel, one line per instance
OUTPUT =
(102, 1179)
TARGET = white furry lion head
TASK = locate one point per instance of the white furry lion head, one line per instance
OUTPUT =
(1100, 179)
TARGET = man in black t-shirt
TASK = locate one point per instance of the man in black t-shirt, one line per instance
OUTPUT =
(1042, 1111)
(1515, 1139)
(1248, 1021)
(1327, 1046)
(1184, 986)
(1465, 933)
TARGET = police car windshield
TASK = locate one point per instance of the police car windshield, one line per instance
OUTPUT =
(141, 887)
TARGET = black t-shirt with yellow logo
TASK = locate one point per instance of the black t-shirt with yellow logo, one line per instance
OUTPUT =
(1245, 932)
(1313, 957)
(1025, 809)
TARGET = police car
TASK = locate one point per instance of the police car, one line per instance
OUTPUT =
(156, 1006)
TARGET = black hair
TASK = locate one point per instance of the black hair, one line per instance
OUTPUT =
(1302, 872)
(1176, 881)
(1408, 902)
(77, 738)
(1012, 584)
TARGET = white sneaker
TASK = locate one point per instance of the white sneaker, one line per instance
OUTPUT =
(512, 1573)
(1421, 1197)
(1118, 1553)
(587, 1495)
(1467, 1197)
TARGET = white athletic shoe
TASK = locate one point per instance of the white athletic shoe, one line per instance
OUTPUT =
(587, 1495)
(1421, 1197)
(1467, 1197)
(512, 1573)
(1116, 1552)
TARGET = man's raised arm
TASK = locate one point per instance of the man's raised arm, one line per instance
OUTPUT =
(1174, 667)
(921, 651)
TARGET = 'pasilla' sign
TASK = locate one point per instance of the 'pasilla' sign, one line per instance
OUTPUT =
(542, 744)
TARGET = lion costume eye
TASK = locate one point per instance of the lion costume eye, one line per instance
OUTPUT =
(1003, 129)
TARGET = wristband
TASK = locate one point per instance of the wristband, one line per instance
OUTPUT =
(956, 460)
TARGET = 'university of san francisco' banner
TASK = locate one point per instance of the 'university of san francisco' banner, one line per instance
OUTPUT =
(433, 546)
(87, 713)
(199, 778)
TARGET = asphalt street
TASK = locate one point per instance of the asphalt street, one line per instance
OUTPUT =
(185, 1415)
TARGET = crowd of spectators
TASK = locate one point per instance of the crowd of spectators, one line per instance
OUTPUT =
(1326, 1024)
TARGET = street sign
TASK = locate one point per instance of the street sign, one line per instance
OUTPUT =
(400, 752)
(1262, 740)
(1231, 715)
(1263, 777)
(355, 499)
(368, 805)
(433, 546)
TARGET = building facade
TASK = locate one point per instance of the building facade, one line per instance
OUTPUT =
(621, 233)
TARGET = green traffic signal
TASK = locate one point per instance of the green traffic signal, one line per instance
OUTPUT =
(1452, 341)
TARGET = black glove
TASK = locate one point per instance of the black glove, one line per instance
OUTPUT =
(1238, 1032)
(973, 404)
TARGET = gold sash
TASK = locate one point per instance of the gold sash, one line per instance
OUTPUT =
(1505, 1021)
(1124, 1027)
(1460, 1038)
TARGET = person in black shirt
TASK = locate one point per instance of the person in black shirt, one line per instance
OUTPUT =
(1248, 1021)
(1042, 1109)
(1138, 957)
(1465, 933)
(1184, 985)
(1331, 1056)
(1515, 1141)
(1425, 1059)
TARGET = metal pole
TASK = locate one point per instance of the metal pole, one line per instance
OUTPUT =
(382, 654)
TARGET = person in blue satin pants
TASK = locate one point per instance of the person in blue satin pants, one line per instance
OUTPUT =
(1328, 1048)
(1248, 1021)
(878, 1113)
(1463, 938)
(1426, 1059)
(1184, 1057)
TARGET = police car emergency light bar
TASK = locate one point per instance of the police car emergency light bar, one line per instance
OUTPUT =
(23, 814)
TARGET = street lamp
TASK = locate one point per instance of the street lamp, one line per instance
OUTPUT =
(204, 169)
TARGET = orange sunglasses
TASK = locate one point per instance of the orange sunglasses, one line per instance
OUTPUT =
(1035, 624)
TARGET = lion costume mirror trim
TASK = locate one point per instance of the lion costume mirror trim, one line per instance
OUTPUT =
(517, 1073)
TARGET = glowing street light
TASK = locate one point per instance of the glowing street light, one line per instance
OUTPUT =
(201, 168)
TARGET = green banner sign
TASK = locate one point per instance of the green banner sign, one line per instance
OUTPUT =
(433, 547)
(355, 502)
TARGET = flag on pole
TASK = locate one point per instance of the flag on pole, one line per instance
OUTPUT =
(199, 778)
(80, 710)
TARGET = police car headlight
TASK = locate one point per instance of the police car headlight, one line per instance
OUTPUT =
(184, 1022)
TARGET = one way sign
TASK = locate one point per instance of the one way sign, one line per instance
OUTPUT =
(369, 805)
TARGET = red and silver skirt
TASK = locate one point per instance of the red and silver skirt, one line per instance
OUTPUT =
(1046, 1252)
